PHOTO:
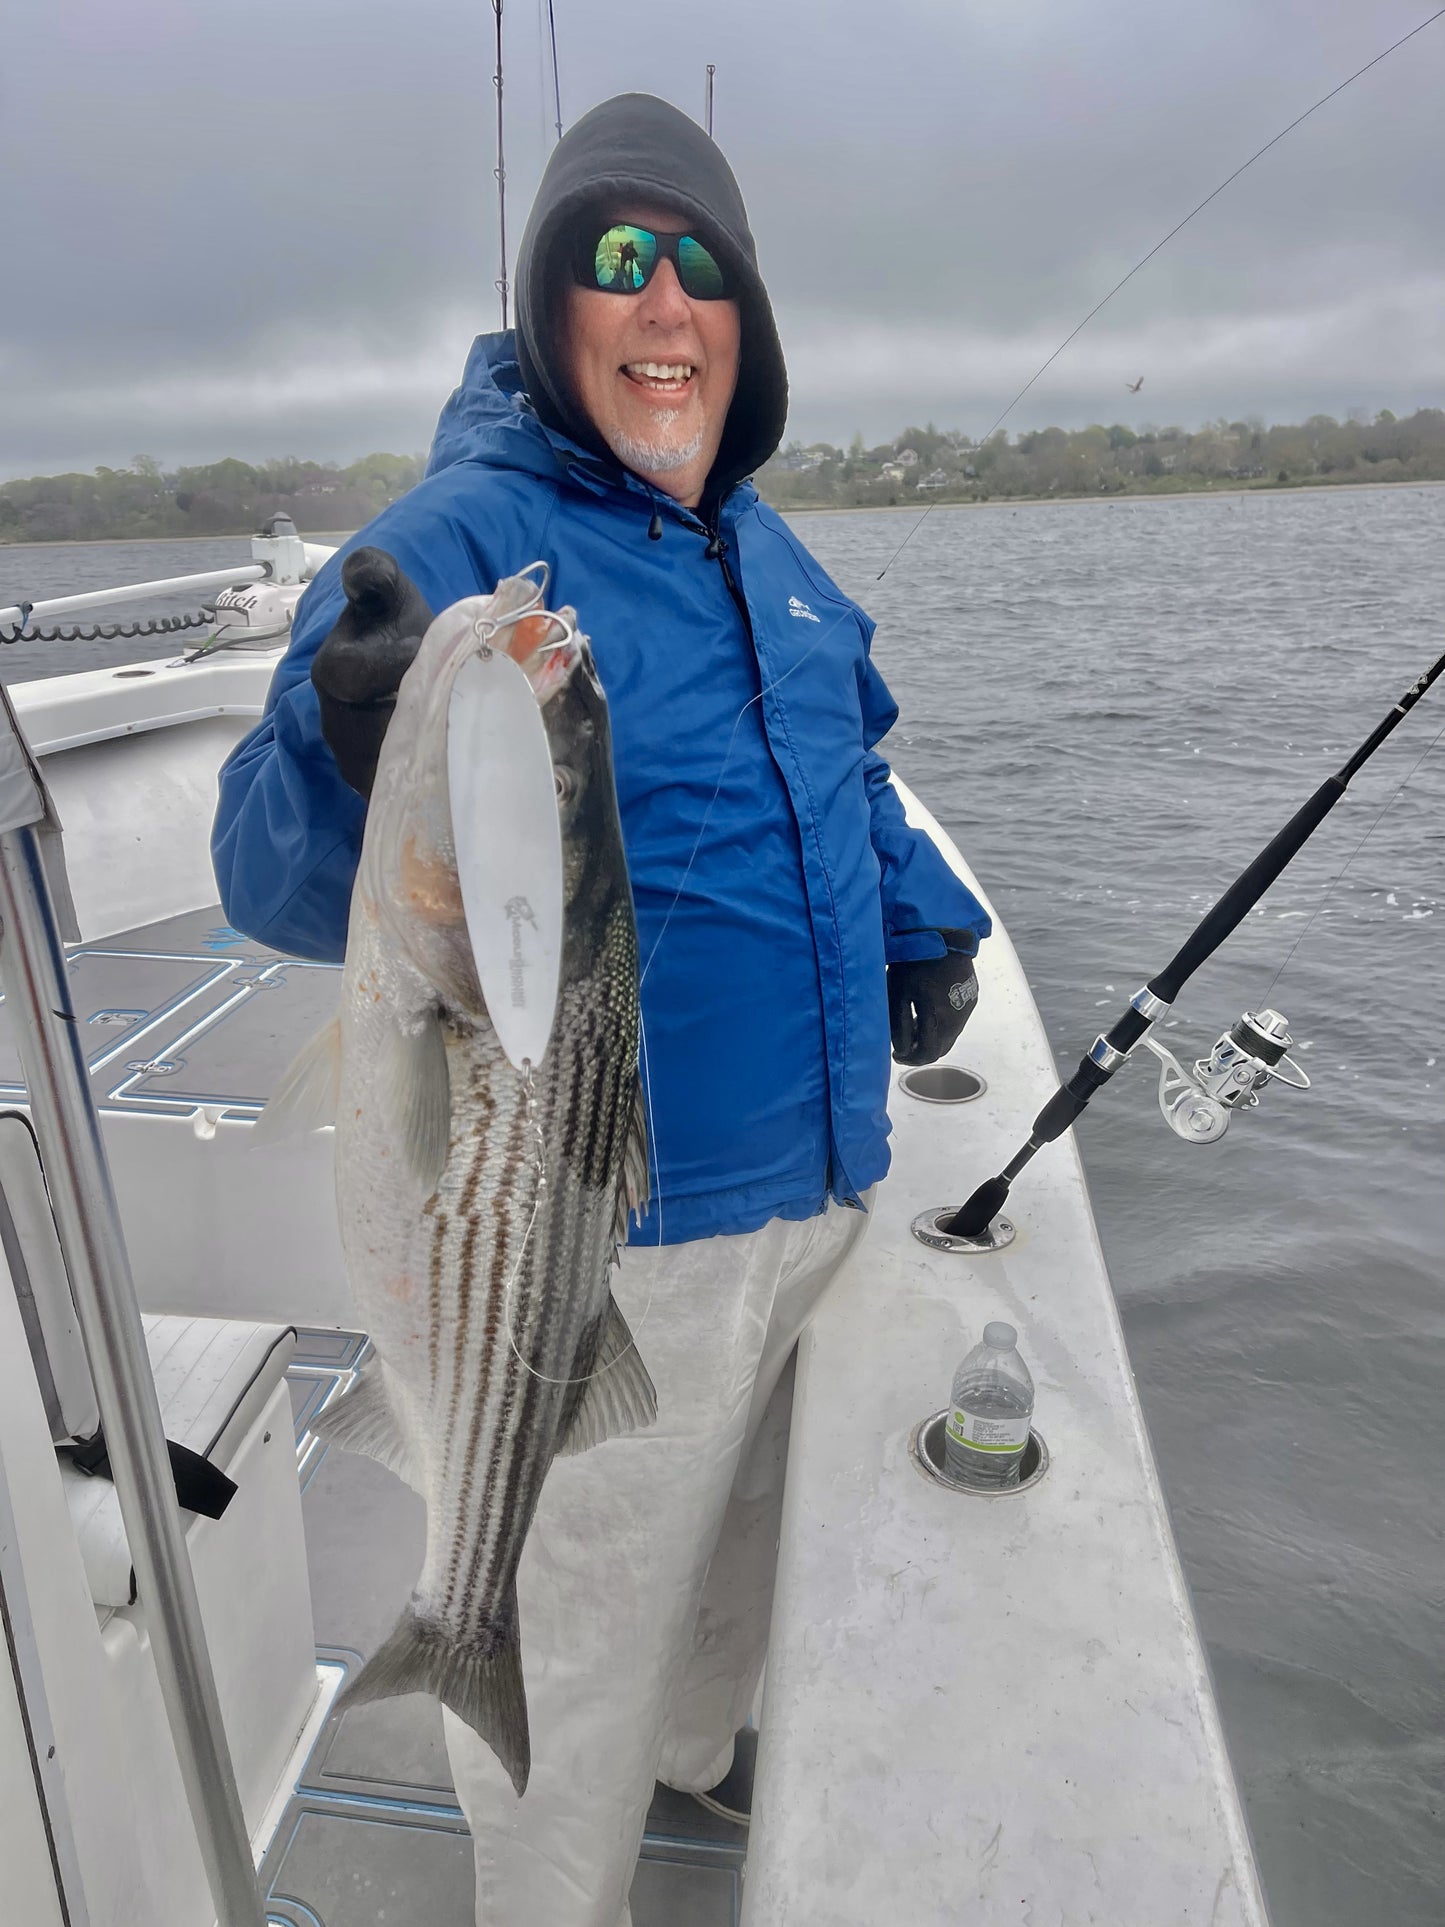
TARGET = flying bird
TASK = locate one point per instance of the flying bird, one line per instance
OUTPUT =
(1134, 386)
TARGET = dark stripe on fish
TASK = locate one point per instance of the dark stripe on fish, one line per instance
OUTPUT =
(434, 1297)
(503, 1263)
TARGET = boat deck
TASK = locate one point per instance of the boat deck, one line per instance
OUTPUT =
(185, 1014)
(905, 1615)
(373, 1822)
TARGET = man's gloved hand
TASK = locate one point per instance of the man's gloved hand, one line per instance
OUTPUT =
(358, 668)
(930, 1002)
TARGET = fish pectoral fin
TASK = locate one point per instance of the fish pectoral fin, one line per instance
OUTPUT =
(415, 1089)
(364, 1419)
(482, 1684)
(633, 1188)
(305, 1099)
(619, 1396)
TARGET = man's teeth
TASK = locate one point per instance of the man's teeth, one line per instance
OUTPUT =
(661, 370)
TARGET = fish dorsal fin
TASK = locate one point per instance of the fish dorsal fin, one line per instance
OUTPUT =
(364, 1419)
(633, 1186)
(414, 1089)
(305, 1099)
(619, 1397)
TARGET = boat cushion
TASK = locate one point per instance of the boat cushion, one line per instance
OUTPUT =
(42, 1286)
(213, 1378)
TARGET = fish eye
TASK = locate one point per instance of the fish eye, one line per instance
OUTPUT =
(565, 783)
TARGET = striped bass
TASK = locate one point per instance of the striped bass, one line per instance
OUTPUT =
(487, 1293)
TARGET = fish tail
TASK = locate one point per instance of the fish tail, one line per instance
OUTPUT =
(482, 1685)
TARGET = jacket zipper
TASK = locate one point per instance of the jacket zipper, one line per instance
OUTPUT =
(717, 550)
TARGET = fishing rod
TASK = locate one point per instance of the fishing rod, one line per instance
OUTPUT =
(501, 284)
(1196, 1105)
(556, 75)
(1144, 261)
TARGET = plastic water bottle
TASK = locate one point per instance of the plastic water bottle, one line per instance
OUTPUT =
(993, 1401)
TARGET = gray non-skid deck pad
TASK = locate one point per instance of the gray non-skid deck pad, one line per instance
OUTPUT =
(184, 1013)
(373, 1833)
(357, 1869)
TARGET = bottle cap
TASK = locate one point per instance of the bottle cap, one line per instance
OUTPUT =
(1002, 1337)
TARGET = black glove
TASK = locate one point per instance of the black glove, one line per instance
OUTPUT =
(358, 668)
(930, 1002)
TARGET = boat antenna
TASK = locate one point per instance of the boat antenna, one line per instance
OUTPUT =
(1202, 1102)
(707, 105)
(1143, 262)
(501, 284)
(556, 79)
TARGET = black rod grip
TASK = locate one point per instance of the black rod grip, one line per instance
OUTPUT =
(1129, 1029)
(971, 1220)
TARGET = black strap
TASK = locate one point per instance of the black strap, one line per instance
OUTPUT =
(200, 1486)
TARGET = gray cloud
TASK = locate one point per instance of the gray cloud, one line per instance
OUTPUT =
(272, 229)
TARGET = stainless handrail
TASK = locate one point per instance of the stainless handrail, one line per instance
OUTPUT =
(87, 1222)
(65, 605)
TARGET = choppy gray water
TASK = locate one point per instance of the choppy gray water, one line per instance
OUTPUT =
(1111, 706)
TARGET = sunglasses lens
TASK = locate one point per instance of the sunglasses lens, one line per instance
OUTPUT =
(624, 259)
(700, 274)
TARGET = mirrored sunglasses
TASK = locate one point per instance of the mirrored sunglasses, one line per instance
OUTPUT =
(623, 259)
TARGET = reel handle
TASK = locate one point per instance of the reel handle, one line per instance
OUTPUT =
(1197, 1105)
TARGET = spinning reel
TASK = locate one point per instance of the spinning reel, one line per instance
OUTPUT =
(1197, 1105)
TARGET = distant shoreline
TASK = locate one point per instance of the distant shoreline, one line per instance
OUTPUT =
(1098, 501)
(129, 541)
(914, 508)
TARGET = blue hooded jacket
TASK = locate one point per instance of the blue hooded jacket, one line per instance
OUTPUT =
(772, 869)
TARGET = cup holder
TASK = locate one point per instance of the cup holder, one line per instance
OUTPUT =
(942, 1084)
(926, 1448)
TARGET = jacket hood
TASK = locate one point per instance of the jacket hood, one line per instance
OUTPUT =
(487, 417)
(637, 147)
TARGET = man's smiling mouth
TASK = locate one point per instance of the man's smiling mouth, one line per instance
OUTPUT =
(661, 377)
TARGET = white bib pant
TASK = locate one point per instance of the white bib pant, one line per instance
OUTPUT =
(646, 1584)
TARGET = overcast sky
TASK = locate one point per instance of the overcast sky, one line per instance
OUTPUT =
(270, 228)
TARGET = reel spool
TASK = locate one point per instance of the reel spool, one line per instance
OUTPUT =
(1197, 1105)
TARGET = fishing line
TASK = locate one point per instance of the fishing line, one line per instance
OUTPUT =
(1299, 118)
(644, 1064)
(766, 690)
(487, 630)
(529, 1090)
(528, 1084)
(1331, 886)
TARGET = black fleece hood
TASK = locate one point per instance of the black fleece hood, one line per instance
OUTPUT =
(635, 147)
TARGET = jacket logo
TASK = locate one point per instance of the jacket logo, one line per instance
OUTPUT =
(801, 610)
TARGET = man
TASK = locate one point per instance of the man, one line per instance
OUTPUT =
(784, 910)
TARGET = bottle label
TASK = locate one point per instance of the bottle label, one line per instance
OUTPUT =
(987, 1434)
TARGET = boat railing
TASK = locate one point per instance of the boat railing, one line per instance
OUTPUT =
(87, 1222)
(66, 605)
(279, 558)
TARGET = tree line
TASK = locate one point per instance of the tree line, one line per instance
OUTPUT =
(218, 498)
(922, 464)
(946, 465)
